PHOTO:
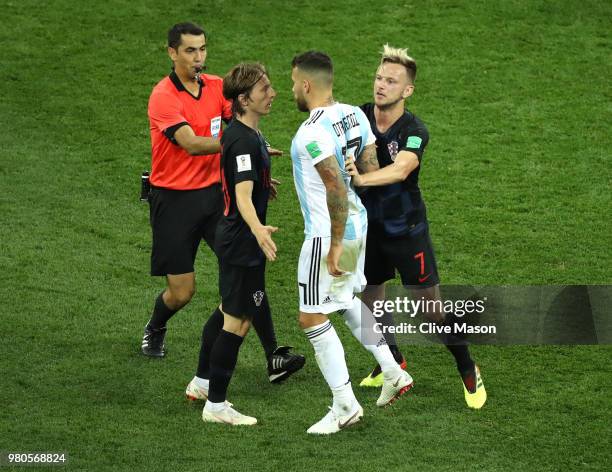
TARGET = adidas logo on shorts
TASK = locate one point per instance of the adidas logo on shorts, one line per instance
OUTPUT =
(327, 300)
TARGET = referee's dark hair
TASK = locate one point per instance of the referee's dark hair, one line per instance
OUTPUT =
(174, 34)
(315, 62)
(240, 81)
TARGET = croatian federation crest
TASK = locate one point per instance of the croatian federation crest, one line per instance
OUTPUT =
(393, 147)
(258, 297)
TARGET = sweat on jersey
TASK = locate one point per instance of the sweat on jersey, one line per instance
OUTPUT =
(338, 130)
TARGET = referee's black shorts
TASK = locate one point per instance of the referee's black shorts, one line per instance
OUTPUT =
(411, 255)
(242, 289)
(180, 219)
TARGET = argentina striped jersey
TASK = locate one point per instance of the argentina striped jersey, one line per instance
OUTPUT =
(338, 130)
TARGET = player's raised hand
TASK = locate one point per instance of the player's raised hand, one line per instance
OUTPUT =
(333, 260)
(273, 188)
(263, 234)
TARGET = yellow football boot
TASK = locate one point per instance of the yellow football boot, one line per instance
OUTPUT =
(478, 397)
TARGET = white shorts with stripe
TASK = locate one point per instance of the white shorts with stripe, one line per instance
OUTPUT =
(319, 291)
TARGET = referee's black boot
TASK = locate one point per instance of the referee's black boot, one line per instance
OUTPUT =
(153, 342)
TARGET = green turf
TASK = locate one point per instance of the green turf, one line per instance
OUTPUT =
(516, 177)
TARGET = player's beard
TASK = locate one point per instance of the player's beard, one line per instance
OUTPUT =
(389, 106)
(301, 103)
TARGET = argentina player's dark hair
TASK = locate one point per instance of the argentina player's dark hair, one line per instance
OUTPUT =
(316, 62)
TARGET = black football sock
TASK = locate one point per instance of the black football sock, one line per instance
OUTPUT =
(458, 347)
(265, 328)
(223, 358)
(210, 331)
(161, 313)
(397, 354)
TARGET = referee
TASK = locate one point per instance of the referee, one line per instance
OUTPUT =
(185, 112)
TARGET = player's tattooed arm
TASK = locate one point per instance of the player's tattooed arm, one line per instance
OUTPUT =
(367, 160)
(337, 205)
(337, 201)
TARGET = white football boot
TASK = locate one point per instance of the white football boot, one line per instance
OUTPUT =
(228, 416)
(332, 422)
(394, 388)
(195, 392)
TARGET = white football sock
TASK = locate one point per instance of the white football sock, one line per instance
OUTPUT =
(344, 399)
(329, 354)
(214, 407)
(360, 321)
(202, 383)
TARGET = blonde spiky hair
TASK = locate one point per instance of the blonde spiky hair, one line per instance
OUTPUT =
(399, 56)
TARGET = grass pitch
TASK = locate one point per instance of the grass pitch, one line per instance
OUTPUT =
(516, 179)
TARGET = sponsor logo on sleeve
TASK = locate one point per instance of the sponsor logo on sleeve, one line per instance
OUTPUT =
(414, 142)
(243, 162)
(313, 149)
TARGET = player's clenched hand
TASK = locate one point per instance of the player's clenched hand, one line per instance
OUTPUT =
(273, 188)
(263, 234)
(333, 260)
(351, 168)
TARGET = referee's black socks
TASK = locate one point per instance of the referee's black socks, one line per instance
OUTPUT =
(161, 313)
(223, 358)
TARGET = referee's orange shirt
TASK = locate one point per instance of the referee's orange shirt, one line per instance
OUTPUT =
(172, 106)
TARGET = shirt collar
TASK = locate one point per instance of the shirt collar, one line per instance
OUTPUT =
(179, 85)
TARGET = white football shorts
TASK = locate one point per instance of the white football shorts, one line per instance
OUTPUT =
(319, 291)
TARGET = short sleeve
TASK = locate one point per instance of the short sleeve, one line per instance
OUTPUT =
(315, 144)
(243, 157)
(364, 127)
(165, 112)
(414, 140)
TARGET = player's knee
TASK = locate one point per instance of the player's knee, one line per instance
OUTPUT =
(180, 296)
(244, 328)
(239, 327)
(309, 320)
